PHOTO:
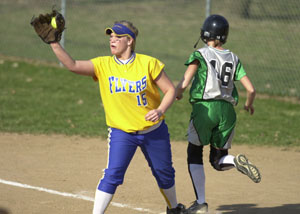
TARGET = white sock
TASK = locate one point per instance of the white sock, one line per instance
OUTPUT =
(228, 159)
(170, 196)
(198, 177)
(101, 202)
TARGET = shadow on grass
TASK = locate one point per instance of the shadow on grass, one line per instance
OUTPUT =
(253, 209)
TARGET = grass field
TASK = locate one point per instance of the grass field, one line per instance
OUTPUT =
(168, 31)
(45, 99)
(38, 98)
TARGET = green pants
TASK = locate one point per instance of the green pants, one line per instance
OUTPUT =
(212, 122)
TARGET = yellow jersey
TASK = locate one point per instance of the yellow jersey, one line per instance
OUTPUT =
(128, 91)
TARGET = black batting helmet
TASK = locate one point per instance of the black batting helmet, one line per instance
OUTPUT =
(215, 27)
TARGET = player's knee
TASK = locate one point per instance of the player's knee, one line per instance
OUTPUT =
(165, 177)
(111, 180)
(195, 154)
(215, 156)
(107, 187)
(109, 183)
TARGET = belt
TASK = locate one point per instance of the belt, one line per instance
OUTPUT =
(152, 128)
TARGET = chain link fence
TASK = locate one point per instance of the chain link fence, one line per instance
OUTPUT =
(264, 34)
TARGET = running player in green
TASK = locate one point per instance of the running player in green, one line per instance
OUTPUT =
(213, 96)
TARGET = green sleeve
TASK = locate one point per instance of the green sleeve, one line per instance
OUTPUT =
(194, 56)
(240, 71)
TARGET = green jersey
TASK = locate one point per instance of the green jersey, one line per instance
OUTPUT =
(217, 71)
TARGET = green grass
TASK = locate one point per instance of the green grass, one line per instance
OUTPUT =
(274, 123)
(38, 99)
(266, 42)
(41, 99)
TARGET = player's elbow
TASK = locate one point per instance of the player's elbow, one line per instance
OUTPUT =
(73, 67)
(73, 70)
(171, 90)
(252, 92)
(183, 85)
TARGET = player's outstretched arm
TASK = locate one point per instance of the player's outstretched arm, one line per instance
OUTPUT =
(49, 27)
(250, 94)
(83, 67)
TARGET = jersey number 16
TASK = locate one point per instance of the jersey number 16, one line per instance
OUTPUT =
(226, 70)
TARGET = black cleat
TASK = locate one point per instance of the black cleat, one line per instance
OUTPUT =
(180, 209)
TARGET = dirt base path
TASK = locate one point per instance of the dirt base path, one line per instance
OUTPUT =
(58, 174)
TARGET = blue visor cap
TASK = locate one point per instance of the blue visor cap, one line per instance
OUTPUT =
(120, 30)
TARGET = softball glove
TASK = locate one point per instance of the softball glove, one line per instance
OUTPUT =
(48, 32)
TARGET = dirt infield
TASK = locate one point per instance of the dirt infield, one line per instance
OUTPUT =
(58, 174)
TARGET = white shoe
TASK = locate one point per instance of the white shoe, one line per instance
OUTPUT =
(198, 208)
(246, 167)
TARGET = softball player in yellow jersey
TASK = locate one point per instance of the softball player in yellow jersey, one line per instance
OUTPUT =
(129, 86)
